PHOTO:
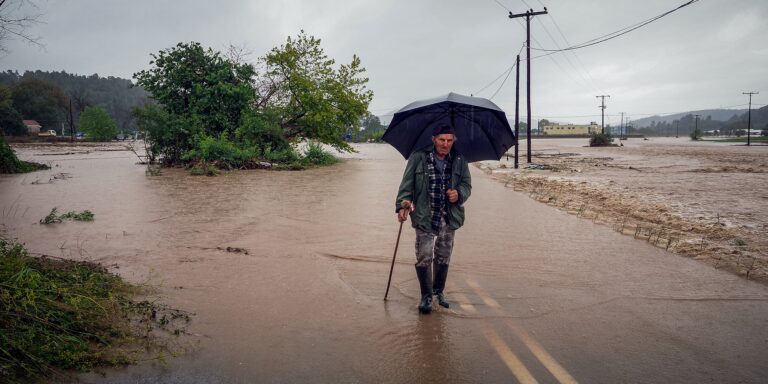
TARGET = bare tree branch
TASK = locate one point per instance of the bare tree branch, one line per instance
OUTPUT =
(15, 22)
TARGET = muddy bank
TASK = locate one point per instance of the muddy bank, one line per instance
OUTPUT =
(701, 200)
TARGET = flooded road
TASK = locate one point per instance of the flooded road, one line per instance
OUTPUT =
(537, 295)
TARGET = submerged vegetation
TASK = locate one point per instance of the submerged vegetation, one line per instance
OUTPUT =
(54, 217)
(71, 315)
(600, 140)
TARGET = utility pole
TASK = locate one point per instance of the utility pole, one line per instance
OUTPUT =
(71, 124)
(621, 127)
(528, 14)
(749, 118)
(517, 110)
(602, 107)
(677, 129)
(695, 130)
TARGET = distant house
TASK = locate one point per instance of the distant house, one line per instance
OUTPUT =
(33, 127)
(571, 129)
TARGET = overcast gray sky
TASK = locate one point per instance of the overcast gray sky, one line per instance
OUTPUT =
(702, 56)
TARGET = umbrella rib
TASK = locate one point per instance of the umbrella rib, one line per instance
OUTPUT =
(485, 131)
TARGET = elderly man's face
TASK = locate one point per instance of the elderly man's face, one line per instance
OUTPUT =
(443, 143)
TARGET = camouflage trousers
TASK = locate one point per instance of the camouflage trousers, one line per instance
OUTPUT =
(437, 247)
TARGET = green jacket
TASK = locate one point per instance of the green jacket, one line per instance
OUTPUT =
(415, 184)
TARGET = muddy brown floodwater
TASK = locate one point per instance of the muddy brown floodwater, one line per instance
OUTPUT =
(285, 273)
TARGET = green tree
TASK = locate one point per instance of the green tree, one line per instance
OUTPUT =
(313, 99)
(41, 101)
(97, 124)
(189, 80)
(10, 119)
(200, 94)
(206, 99)
(168, 136)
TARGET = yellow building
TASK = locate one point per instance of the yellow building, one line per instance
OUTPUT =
(571, 129)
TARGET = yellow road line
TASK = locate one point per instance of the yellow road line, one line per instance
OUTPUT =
(537, 349)
(508, 357)
(544, 357)
(463, 299)
(487, 299)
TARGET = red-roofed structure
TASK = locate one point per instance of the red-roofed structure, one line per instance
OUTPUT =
(33, 127)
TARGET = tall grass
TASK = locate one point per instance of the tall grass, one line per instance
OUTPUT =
(58, 315)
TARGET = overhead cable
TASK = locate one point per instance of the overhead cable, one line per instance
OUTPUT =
(615, 34)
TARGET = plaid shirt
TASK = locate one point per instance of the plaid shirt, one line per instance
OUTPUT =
(439, 182)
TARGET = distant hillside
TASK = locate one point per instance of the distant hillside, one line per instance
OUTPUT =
(717, 114)
(725, 121)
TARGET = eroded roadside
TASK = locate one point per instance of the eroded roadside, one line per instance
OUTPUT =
(699, 200)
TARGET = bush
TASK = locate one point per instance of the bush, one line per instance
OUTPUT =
(204, 169)
(696, 134)
(222, 151)
(9, 163)
(600, 139)
(316, 155)
(283, 156)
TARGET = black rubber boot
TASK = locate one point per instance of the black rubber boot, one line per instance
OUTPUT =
(425, 283)
(441, 273)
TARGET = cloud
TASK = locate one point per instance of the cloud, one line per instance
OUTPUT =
(698, 57)
(741, 26)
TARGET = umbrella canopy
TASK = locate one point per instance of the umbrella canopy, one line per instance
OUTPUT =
(482, 129)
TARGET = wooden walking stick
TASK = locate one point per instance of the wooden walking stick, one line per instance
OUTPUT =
(405, 205)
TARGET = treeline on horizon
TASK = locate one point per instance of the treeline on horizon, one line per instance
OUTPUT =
(735, 126)
(46, 97)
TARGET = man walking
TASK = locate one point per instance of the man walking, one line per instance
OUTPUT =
(436, 184)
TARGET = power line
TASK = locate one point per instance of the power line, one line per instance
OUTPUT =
(575, 55)
(509, 72)
(563, 70)
(494, 80)
(502, 83)
(616, 34)
(502, 5)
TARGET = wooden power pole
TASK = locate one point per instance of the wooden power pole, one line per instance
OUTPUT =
(517, 110)
(528, 14)
(749, 116)
(602, 108)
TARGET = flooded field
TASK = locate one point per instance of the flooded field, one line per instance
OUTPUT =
(703, 200)
(285, 273)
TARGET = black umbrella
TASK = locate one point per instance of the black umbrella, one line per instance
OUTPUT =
(482, 129)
